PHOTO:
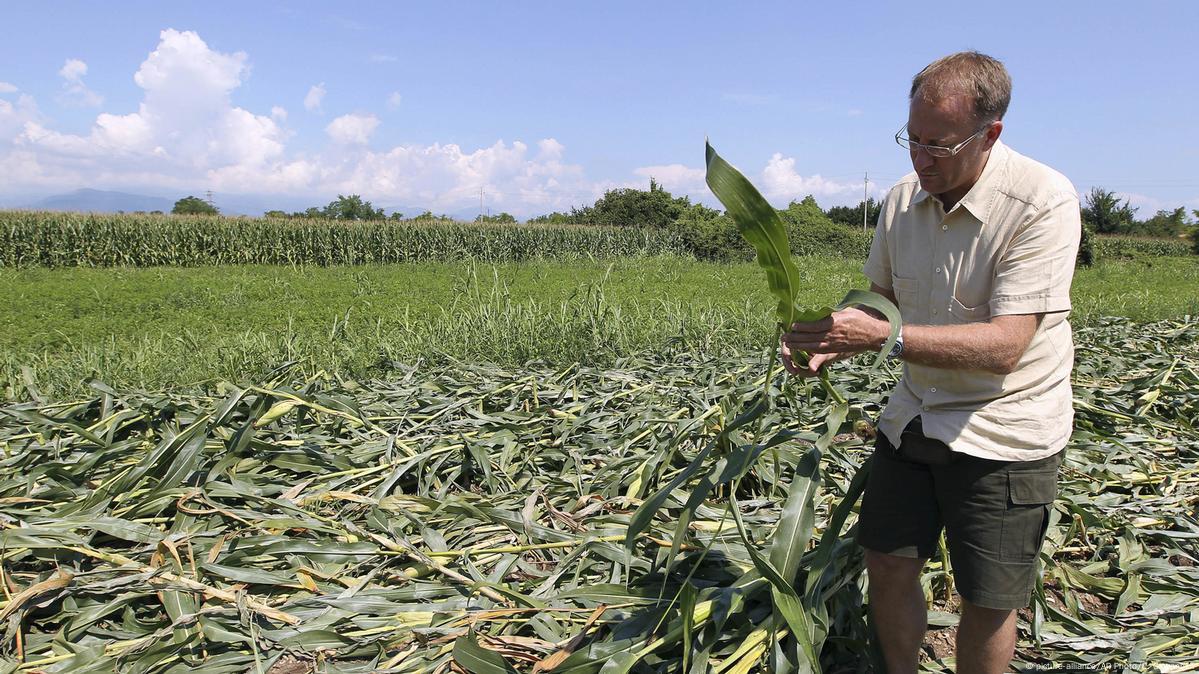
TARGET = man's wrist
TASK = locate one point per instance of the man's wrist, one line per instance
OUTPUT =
(884, 333)
(897, 348)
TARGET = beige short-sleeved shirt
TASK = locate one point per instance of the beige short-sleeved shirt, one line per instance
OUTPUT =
(1008, 247)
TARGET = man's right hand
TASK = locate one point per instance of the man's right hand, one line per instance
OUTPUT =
(815, 362)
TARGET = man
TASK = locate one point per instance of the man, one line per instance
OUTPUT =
(977, 249)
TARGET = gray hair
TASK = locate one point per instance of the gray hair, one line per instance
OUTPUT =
(972, 74)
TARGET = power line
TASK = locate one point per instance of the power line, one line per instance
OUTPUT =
(865, 197)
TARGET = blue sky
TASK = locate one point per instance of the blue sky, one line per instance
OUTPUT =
(544, 105)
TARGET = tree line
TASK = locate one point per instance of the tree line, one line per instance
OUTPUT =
(1103, 212)
(344, 207)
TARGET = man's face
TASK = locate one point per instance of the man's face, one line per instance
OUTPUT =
(948, 122)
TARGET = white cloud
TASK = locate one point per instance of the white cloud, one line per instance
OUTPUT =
(316, 94)
(384, 58)
(13, 118)
(447, 177)
(6, 88)
(73, 70)
(74, 91)
(780, 181)
(352, 129)
(676, 178)
(394, 101)
(550, 149)
(184, 124)
(186, 134)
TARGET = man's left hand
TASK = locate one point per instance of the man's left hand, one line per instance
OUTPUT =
(846, 331)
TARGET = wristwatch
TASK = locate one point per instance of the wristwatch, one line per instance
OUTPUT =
(897, 348)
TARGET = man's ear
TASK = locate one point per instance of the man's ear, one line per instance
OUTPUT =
(992, 134)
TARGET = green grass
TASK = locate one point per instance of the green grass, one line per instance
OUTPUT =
(183, 326)
(1145, 289)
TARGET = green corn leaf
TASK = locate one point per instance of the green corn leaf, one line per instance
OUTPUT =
(252, 576)
(620, 663)
(759, 223)
(786, 601)
(686, 610)
(645, 513)
(761, 226)
(799, 516)
(478, 660)
(730, 468)
(832, 532)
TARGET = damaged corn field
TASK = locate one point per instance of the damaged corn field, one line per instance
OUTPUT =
(450, 518)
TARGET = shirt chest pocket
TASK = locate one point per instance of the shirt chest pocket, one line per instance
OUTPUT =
(964, 314)
(907, 297)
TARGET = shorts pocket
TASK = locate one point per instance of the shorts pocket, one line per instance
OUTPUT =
(1029, 488)
(1027, 514)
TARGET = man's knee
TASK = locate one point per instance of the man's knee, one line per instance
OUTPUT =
(984, 616)
(888, 569)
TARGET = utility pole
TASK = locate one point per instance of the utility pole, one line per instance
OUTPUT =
(480, 202)
(208, 195)
(865, 192)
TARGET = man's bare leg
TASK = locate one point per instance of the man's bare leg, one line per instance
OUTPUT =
(986, 639)
(897, 606)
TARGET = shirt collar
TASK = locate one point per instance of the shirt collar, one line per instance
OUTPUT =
(979, 197)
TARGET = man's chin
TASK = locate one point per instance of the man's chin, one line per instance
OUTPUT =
(931, 184)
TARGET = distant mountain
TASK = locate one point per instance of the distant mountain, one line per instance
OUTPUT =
(466, 214)
(100, 201)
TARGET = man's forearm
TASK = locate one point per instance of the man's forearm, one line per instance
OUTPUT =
(991, 347)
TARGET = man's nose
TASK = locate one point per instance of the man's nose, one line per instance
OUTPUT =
(921, 160)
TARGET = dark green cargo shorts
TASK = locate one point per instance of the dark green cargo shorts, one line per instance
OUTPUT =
(994, 514)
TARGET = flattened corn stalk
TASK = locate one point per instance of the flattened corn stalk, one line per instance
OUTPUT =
(282, 501)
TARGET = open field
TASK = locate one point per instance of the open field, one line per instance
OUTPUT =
(396, 467)
(375, 525)
(167, 326)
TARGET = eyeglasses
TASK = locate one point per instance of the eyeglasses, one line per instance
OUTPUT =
(938, 151)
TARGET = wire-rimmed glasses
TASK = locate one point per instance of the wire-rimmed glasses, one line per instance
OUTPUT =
(938, 151)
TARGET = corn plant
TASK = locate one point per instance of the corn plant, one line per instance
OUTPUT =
(314, 523)
(798, 611)
(47, 239)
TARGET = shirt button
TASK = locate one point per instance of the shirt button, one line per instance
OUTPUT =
(933, 389)
(938, 270)
(934, 312)
(925, 408)
(944, 227)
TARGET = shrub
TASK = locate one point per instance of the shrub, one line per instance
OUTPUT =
(711, 237)
(190, 205)
(811, 232)
(1086, 247)
(637, 208)
(352, 207)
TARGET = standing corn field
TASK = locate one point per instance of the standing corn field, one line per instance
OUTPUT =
(51, 239)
